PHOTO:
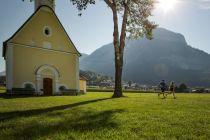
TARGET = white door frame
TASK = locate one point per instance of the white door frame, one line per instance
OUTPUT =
(40, 76)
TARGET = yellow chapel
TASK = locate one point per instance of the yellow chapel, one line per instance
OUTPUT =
(41, 56)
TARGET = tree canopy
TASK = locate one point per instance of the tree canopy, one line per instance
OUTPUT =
(136, 13)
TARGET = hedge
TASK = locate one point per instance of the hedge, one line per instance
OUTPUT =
(125, 91)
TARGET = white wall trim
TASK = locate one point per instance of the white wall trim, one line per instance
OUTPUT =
(40, 76)
(46, 66)
(77, 73)
(28, 82)
(41, 48)
(9, 67)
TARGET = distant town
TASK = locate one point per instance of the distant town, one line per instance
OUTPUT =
(104, 82)
(99, 81)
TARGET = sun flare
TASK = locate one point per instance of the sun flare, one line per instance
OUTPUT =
(167, 5)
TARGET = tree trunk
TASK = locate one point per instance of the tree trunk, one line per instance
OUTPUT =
(118, 75)
(118, 63)
(118, 45)
(119, 54)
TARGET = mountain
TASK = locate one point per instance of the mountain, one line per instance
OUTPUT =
(167, 56)
(95, 78)
(83, 56)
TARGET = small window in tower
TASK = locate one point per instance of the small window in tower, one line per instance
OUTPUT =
(47, 31)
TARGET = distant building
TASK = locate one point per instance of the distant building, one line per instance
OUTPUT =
(200, 90)
(83, 84)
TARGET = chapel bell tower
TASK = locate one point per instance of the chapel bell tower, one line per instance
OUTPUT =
(50, 3)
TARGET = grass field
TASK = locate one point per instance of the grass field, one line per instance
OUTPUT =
(96, 116)
(2, 89)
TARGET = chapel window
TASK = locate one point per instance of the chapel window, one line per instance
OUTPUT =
(62, 88)
(28, 86)
(47, 31)
(47, 45)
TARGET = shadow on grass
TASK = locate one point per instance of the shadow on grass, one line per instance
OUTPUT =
(4, 116)
(65, 126)
(10, 96)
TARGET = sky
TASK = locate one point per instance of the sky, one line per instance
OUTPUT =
(95, 27)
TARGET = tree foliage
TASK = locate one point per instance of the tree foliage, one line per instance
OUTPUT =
(182, 87)
(137, 12)
(82, 4)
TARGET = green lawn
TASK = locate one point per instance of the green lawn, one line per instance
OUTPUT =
(96, 116)
(2, 89)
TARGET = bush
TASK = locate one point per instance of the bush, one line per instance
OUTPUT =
(23, 91)
(112, 90)
(28, 86)
(73, 92)
(62, 88)
(2, 88)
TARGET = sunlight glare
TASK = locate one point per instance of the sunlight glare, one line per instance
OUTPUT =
(166, 5)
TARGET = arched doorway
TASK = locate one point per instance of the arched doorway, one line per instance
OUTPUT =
(47, 80)
(47, 86)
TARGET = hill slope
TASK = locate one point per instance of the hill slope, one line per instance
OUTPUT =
(167, 56)
(83, 55)
(3, 73)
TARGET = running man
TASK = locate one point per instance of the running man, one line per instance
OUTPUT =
(162, 86)
(172, 89)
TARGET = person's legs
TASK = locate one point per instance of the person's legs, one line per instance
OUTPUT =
(167, 93)
(164, 96)
(174, 95)
(160, 92)
(163, 91)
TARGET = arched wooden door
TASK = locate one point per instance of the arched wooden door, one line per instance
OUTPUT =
(47, 86)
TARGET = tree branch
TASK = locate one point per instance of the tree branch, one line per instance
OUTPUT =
(113, 6)
(109, 3)
(124, 23)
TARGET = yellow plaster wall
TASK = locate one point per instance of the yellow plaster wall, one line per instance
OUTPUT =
(33, 30)
(82, 84)
(27, 60)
